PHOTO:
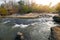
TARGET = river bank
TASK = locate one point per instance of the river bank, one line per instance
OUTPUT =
(27, 16)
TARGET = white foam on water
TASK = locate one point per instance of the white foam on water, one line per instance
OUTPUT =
(6, 22)
(33, 24)
(21, 26)
(24, 26)
(50, 24)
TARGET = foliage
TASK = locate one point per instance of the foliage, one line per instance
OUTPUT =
(21, 3)
(40, 8)
(57, 7)
(34, 8)
(3, 11)
(24, 8)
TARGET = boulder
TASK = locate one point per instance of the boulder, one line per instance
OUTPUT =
(19, 36)
(55, 33)
(56, 19)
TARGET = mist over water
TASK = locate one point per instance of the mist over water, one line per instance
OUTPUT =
(33, 29)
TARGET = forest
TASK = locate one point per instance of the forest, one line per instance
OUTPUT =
(21, 7)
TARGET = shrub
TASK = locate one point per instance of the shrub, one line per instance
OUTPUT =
(58, 7)
(3, 11)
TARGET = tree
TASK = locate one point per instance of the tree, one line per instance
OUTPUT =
(34, 7)
(21, 2)
(4, 1)
(58, 8)
(3, 11)
(23, 8)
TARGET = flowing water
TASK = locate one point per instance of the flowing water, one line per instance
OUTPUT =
(33, 29)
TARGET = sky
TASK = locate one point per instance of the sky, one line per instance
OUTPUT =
(47, 2)
(44, 2)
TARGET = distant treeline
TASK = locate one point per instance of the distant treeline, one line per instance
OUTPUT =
(22, 8)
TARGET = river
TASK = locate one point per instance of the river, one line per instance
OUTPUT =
(33, 29)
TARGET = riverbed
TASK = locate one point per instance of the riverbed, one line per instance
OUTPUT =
(33, 29)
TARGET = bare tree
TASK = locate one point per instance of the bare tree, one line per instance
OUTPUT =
(4, 1)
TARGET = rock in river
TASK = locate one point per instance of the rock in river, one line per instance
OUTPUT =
(56, 19)
(55, 33)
